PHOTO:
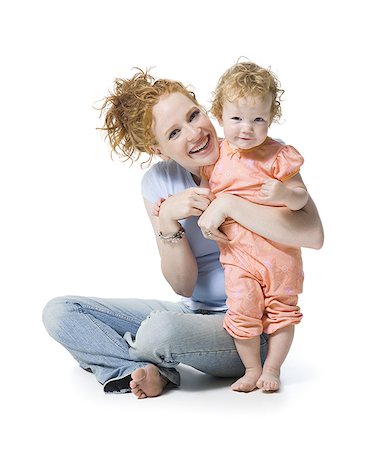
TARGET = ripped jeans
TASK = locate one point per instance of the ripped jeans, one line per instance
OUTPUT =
(113, 337)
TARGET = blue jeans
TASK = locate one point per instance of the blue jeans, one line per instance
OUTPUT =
(113, 337)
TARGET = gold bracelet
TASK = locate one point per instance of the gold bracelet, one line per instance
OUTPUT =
(173, 238)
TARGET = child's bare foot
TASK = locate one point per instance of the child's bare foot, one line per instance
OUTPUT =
(269, 380)
(248, 382)
(147, 382)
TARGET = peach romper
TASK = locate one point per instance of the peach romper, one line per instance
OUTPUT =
(262, 278)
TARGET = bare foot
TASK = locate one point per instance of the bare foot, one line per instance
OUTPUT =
(147, 382)
(248, 382)
(269, 380)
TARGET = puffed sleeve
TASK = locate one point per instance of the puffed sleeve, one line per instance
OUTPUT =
(287, 163)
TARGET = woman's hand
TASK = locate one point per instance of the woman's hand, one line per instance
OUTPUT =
(191, 202)
(213, 217)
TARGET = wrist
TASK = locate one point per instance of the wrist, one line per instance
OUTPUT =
(173, 238)
(288, 196)
(226, 203)
(169, 226)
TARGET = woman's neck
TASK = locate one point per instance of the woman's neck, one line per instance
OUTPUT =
(196, 179)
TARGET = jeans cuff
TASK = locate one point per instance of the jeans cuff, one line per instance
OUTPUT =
(117, 385)
(171, 375)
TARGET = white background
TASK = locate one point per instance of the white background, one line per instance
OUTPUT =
(72, 220)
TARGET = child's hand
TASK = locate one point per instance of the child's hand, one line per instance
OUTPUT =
(274, 191)
(156, 208)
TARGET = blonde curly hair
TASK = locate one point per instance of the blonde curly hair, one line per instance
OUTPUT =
(128, 113)
(247, 79)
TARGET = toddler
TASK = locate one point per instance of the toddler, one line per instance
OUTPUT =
(262, 278)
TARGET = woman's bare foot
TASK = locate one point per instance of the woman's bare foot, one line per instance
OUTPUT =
(248, 382)
(147, 382)
(269, 381)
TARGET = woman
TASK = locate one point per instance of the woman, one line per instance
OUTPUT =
(135, 345)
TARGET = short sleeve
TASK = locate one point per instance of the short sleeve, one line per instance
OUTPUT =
(287, 163)
(152, 186)
(163, 179)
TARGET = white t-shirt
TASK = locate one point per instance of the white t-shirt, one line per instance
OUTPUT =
(168, 178)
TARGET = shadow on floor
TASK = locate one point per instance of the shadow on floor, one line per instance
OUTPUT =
(194, 380)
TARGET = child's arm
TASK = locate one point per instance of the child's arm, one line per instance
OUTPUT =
(291, 193)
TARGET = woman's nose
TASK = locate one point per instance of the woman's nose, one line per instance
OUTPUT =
(193, 132)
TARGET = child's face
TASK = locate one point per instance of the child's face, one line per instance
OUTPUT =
(246, 121)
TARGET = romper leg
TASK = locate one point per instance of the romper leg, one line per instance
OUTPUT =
(281, 311)
(245, 301)
(283, 283)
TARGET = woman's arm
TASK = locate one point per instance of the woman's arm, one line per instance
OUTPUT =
(301, 228)
(178, 263)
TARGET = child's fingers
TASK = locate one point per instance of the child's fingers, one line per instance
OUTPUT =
(156, 207)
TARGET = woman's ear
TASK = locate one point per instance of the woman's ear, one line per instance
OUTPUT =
(156, 151)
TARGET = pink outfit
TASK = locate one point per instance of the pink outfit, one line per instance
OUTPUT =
(262, 278)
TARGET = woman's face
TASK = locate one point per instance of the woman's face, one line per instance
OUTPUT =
(184, 133)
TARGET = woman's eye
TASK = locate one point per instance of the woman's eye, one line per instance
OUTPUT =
(194, 114)
(173, 133)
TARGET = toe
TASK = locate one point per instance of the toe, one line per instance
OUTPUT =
(136, 392)
(138, 375)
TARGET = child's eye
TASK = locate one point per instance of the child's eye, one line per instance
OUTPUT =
(258, 119)
(194, 114)
(173, 133)
(236, 118)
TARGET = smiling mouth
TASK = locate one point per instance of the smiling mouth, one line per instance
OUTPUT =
(201, 147)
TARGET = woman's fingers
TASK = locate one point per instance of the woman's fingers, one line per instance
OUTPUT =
(205, 192)
(200, 202)
(191, 202)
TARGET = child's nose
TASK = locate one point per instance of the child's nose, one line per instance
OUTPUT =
(247, 127)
